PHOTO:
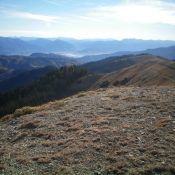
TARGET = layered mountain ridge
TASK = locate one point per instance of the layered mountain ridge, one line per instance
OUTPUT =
(130, 70)
(21, 46)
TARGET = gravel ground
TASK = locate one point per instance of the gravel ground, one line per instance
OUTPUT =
(124, 130)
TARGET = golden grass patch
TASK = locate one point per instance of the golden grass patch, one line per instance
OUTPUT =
(29, 109)
(24, 110)
(82, 94)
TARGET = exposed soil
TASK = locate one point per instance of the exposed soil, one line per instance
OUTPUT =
(123, 130)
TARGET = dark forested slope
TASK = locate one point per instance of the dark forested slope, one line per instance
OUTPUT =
(56, 84)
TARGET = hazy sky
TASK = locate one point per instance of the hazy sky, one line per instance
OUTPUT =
(145, 19)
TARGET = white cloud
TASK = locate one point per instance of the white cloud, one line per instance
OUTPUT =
(88, 18)
(144, 19)
(38, 17)
(137, 12)
(33, 16)
(38, 33)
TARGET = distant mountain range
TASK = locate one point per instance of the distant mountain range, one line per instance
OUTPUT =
(166, 52)
(17, 71)
(23, 46)
(37, 60)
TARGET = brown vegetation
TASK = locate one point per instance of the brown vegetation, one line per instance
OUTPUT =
(124, 130)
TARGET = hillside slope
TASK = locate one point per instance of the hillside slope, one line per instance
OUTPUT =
(166, 52)
(135, 70)
(55, 84)
(149, 70)
(22, 79)
(126, 131)
(115, 63)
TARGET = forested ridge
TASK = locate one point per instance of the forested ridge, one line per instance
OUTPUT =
(54, 85)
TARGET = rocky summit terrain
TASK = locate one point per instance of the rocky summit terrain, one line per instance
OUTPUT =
(116, 131)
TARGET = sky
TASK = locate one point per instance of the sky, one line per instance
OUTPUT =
(88, 19)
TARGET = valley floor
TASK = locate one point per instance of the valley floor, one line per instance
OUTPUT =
(124, 130)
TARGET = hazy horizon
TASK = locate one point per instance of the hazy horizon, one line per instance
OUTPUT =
(99, 19)
(90, 39)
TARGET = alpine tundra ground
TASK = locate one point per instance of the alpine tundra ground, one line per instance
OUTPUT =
(119, 131)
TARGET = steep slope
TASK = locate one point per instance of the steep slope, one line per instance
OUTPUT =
(23, 79)
(116, 131)
(55, 84)
(148, 71)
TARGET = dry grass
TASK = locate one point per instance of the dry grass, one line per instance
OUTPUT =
(29, 110)
(54, 105)
(25, 110)
(95, 134)
(82, 94)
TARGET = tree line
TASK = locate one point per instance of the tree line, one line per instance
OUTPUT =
(54, 85)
